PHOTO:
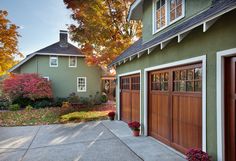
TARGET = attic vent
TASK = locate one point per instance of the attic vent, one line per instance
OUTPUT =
(63, 38)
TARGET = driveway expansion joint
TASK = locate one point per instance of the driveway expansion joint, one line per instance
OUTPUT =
(122, 142)
(30, 143)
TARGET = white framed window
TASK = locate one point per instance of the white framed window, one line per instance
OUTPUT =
(53, 61)
(176, 10)
(166, 12)
(46, 77)
(81, 84)
(72, 61)
(160, 14)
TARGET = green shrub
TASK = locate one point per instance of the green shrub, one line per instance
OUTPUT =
(104, 98)
(4, 103)
(59, 101)
(22, 102)
(14, 107)
(28, 108)
(73, 98)
(42, 103)
(84, 100)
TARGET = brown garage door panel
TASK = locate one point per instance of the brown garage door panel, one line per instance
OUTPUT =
(125, 104)
(135, 106)
(130, 98)
(187, 122)
(159, 112)
(175, 106)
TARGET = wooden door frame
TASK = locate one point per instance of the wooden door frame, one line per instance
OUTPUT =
(220, 100)
(199, 59)
(118, 92)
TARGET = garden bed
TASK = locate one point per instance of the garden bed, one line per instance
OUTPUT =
(54, 115)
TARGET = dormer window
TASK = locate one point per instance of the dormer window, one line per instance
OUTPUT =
(166, 12)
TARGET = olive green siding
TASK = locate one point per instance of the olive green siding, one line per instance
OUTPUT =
(64, 78)
(220, 36)
(192, 7)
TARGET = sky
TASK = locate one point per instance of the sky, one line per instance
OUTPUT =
(39, 21)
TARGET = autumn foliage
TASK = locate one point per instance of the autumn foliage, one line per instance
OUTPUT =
(102, 28)
(30, 86)
(8, 43)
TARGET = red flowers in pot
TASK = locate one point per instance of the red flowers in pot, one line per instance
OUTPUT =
(135, 127)
(111, 115)
(197, 155)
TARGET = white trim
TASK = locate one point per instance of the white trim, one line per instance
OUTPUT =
(132, 7)
(85, 80)
(75, 62)
(172, 64)
(53, 57)
(58, 54)
(220, 100)
(118, 88)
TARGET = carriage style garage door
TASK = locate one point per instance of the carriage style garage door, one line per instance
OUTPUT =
(130, 98)
(230, 111)
(175, 106)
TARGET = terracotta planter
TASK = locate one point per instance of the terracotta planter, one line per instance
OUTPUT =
(136, 133)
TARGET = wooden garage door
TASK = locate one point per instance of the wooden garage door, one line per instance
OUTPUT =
(130, 98)
(175, 106)
(230, 111)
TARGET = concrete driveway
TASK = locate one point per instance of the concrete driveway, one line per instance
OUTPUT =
(70, 142)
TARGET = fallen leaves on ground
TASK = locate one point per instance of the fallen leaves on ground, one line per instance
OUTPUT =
(53, 115)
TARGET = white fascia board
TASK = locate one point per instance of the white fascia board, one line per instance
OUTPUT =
(59, 54)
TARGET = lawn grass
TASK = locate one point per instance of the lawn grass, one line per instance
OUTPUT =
(53, 115)
(84, 116)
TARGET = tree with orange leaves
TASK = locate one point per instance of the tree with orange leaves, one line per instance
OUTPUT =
(102, 29)
(8, 43)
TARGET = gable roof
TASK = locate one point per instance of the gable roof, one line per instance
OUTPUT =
(210, 15)
(55, 49)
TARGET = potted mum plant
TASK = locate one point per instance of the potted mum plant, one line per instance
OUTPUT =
(197, 155)
(135, 127)
(111, 115)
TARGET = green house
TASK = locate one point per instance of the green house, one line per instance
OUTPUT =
(178, 80)
(64, 65)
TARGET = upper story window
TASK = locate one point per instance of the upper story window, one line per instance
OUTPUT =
(53, 61)
(72, 61)
(166, 12)
(160, 14)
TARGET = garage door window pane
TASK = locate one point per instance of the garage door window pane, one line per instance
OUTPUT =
(198, 73)
(135, 83)
(197, 86)
(182, 86)
(189, 85)
(190, 74)
(159, 81)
